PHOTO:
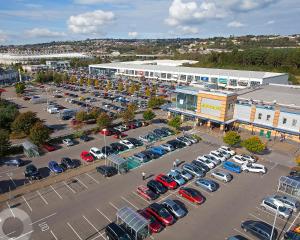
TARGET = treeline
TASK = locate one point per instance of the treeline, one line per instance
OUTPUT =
(277, 60)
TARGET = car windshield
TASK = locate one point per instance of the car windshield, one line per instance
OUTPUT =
(282, 209)
(163, 213)
(175, 207)
(167, 179)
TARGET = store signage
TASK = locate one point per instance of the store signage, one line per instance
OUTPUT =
(223, 80)
(205, 105)
(211, 107)
(204, 79)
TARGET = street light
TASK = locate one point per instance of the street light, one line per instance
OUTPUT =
(279, 204)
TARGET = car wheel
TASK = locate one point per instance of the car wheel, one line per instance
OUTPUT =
(263, 208)
(245, 230)
(246, 171)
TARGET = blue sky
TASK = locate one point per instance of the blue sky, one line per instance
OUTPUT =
(33, 21)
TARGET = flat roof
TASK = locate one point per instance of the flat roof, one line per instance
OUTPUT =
(190, 70)
(282, 94)
(196, 90)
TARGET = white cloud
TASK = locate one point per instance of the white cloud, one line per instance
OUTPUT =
(270, 22)
(43, 33)
(133, 34)
(3, 37)
(235, 24)
(90, 22)
(90, 2)
(191, 12)
(188, 29)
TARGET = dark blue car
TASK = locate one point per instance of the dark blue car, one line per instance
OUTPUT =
(231, 166)
(158, 150)
(55, 167)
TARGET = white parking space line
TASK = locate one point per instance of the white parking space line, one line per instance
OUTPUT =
(27, 203)
(23, 235)
(252, 215)
(71, 189)
(96, 181)
(243, 234)
(74, 231)
(141, 197)
(10, 209)
(12, 180)
(82, 183)
(89, 222)
(101, 235)
(104, 215)
(53, 235)
(6, 235)
(42, 197)
(56, 192)
(293, 223)
(111, 204)
(273, 215)
(165, 197)
(126, 200)
(51, 215)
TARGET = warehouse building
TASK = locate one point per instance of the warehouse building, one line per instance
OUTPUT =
(8, 76)
(271, 111)
(230, 79)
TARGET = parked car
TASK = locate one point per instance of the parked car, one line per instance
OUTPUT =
(154, 225)
(201, 166)
(97, 153)
(146, 193)
(106, 151)
(17, 162)
(177, 178)
(86, 156)
(114, 232)
(237, 237)
(228, 149)
(31, 172)
(288, 202)
(259, 229)
(68, 142)
(231, 166)
(226, 154)
(135, 142)
(166, 181)
(160, 133)
(127, 143)
(212, 159)
(158, 150)
(176, 144)
(194, 170)
(222, 176)
(206, 161)
(290, 235)
(118, 147)
(55, 167)
(175, 209)
(273, 205)
(49, 147)
(191, 138)
(167, 147)
(107, 171)
(67, 163)
(141, 157)
(218, 155)
(186, 175)
(254, 168)
(249, 158)
(191, 194)
(239, 159)
(151, 154)
(161, 214)
(157, 187)
(184, 140)
(85, 138)
(207, 184)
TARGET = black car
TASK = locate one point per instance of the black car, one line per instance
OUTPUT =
(115, 232)
(85, 138)
(167, 131)
(67, 163)
(150, 154)
(156, 187)
(176, 144)
(107, 150)
(135, 142)
(32, 172)
(259, 229)
(118, 147)
(17, 162)
(237, 237)
(160, 132)
(290, 235)
(200, 165)
(107, 171)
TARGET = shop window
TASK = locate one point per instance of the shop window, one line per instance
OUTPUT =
(214, 80)
(284, 120)
(268, 117)
(294, 122)
(259, 116)
(233, 82)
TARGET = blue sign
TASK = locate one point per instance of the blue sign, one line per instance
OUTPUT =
(204, 79)
(223, 80)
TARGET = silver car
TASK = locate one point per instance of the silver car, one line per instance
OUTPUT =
(288, 202)
(273, 205)
(175, 209)
(177, 178)
(167, 147)
(212, 159)
(192, 169)
(207, 184)
(226, 154)
(186, 175)
(222, 176)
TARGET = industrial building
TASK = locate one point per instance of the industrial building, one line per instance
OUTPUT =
(271, 111)
(8, 76)
(230, 79)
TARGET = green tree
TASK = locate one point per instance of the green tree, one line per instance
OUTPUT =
(39, 134)
(81, 116)
(120, 87)
(108, 85)
(175, 122)
(148, 92)
(156, 102)
(96, 83)
(232, 138)
(20, 88)
(81, 81)
(57, 78)
(254, 144)
(24, 121)
(94, 113)
(103, 120)
(8, 113)
(73, 79)
(4, 142)
(148, 115)
(128, 114)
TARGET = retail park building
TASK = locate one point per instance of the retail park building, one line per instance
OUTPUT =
(261, 102)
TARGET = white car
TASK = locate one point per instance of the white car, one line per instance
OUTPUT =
(96, 152)
(239, 159)
(206, 162)
(68, 142)
(127, 143)
(254, 167)
(249, 158)
(52, 110)
(212, 159)
(228, 149)
(226, 154)
(218, 155)
(167, 147)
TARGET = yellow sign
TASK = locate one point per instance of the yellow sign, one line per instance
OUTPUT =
(216, 108)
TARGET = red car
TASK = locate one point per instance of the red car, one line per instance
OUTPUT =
(154, 225)
(49, 147)
(146, 193)
(131, 126)
(86, 156)
(161, 214)
(166, 181)
(120, 135)
(26, 98)
(105, 132)
(191, 194)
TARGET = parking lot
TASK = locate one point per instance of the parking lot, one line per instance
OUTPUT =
(81, 207)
